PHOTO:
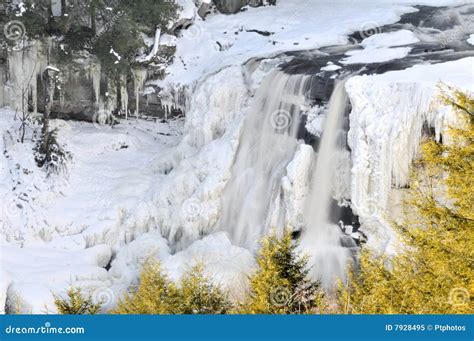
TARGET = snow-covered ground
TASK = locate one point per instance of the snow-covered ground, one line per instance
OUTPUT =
(292, 25)
(146, 189)
(114, 199)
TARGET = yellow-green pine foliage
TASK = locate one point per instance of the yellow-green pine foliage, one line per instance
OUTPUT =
(199, 295)
(433, 274)
(281, 284)
(156, 294)
(76, 303)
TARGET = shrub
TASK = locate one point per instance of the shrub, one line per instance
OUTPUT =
(281, 284)
(157, 294)
(76, 303)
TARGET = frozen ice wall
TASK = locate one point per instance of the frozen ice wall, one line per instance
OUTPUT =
(388, 113)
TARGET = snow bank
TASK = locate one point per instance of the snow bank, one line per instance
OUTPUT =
(226, 264)
(30, 276)
(388, 112)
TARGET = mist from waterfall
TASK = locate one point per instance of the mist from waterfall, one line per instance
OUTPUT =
(267, 144)
(321, 240)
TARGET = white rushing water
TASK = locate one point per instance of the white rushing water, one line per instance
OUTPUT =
(320, 239)
(267, 144)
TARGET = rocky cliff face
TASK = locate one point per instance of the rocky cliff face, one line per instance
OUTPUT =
(234, 6)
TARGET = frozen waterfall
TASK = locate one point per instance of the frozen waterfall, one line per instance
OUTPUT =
(268, 143)
(320, 239)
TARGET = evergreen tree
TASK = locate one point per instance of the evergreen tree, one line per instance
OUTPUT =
(281, 284)
(156, 294)
(76, 303)
(200, 296)
(433, 273)
(96, 27)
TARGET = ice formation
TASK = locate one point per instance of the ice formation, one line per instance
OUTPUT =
(384, 135)
(206, 189)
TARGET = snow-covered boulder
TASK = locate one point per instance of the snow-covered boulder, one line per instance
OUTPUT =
(226, 264)
(32, 276)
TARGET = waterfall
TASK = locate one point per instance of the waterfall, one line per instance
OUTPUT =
(267, 144)
(321, 240)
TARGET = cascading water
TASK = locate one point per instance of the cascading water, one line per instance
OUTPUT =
(268, 143)
(321, 240)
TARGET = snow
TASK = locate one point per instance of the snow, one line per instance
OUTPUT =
(378, 55)
(330, 67)
(154, 50)
(168, 190)
(471, 39)
(390, 39)
(116, 55)
(145, 189)
(385, 134)
(226, 264)
(293, 25)
(31, 285)
(378, 48)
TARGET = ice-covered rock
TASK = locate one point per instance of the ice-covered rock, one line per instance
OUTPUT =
(390, 39)
(226, 264)
(471, 39)
(388, 113)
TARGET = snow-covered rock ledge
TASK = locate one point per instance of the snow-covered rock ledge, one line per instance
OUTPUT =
(386, 123)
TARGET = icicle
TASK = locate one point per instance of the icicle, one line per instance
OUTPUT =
(94, 74)
(139, 79)
(24, 66)
(124, 94)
